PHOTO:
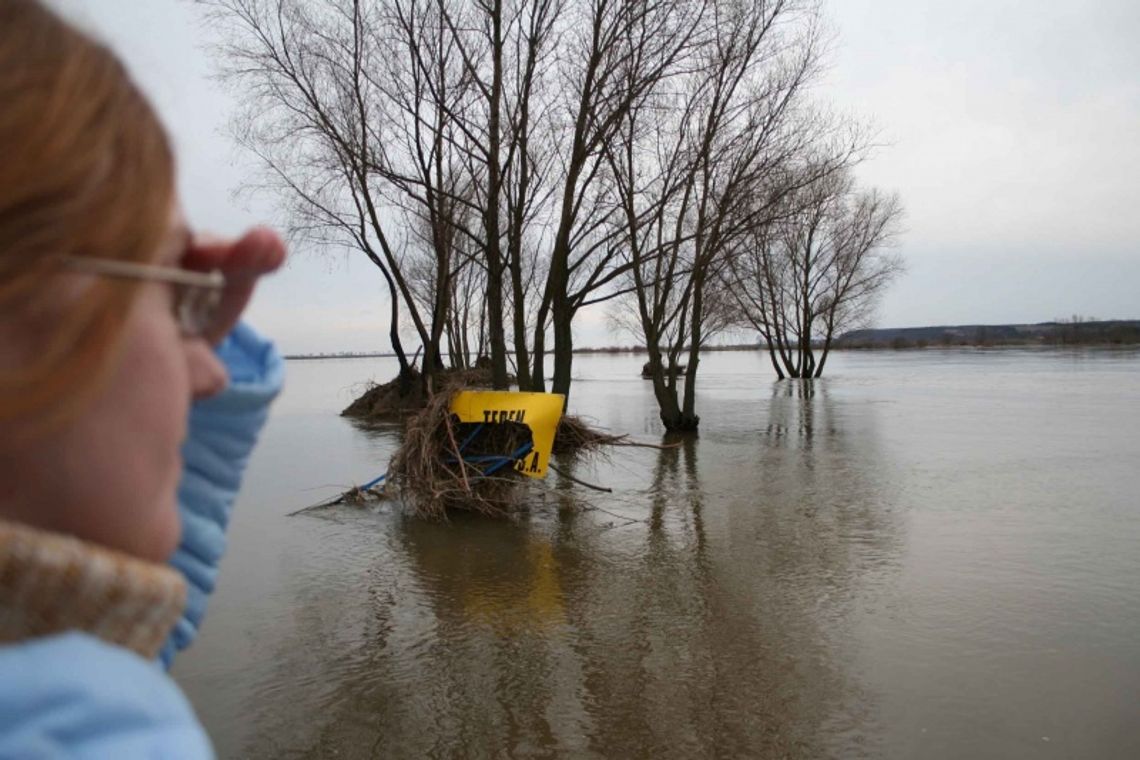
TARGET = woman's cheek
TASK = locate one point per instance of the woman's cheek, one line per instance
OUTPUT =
(167, 530)
(155, 388)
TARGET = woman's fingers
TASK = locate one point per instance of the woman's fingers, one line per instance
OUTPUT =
(257, 253)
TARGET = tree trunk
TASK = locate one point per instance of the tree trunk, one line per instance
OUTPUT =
(560, 300)
(563, 353)
(433, 360)
(772, 355)
(516, 224)
(522, 355)
(481, 346)
(784, 349)
(689, 418)
(538, 364)
(558, 277)
(663, 378)
(538, 357)
(497, 335)
(394, 335)
(666, 395)
(826, 349)
(465, 339)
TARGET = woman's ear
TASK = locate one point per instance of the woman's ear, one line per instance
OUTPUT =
(207, 374)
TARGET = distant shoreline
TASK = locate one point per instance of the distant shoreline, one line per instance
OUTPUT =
(1076, 332)
(635, 351)
(1086, 333)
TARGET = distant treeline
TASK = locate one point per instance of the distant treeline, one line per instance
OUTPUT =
(342, 355)
(599, 350)
(642, 349)
(1075, 332)
(1059, 333)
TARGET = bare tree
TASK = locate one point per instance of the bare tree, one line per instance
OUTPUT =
(816, 272)
(502, 139)
(551, 80)
(704, 163)
(355, 138)
(617, 53)
(308, 119)
(438, 256)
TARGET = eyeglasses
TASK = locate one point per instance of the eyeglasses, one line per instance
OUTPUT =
(197, 295)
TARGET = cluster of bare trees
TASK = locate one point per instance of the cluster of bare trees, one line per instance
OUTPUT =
(507, 163)
(807, 276)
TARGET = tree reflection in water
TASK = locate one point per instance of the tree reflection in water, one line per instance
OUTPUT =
(718, 626)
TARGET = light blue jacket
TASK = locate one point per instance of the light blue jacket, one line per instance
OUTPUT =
(72, 695)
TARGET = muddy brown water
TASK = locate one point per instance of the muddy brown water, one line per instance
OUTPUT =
(927, 554)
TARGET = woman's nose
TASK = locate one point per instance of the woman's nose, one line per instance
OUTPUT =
(207, 374)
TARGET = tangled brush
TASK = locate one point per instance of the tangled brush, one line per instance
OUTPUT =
(394, 401)
(574, 436)
(444, 464)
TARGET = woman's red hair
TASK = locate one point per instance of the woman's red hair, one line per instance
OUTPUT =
(85, 170)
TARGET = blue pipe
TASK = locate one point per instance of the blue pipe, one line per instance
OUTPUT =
(520, 452)
(499, 461)
(470, 437)
(371, 483)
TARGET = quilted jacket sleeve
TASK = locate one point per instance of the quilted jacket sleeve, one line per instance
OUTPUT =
(74, 696)
(222, 433)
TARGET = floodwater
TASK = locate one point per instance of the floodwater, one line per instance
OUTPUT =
(927, 554)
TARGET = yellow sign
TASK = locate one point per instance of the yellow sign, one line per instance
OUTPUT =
(538, 411)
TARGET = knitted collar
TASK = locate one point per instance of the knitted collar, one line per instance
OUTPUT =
(51, 583)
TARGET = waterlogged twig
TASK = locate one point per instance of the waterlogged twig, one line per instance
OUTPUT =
(570, 477)
(640, 445)
(356, 492)
(627, 520)
(339, 499)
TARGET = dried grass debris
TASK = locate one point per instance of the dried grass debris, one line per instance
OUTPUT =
(443, 464)
(385, 402)
(576, 436)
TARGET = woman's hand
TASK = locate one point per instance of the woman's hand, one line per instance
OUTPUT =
(242, 261)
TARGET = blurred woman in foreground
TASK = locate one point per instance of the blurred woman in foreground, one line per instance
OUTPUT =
(129, 402)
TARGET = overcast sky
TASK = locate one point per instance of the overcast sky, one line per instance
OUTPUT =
(1013, 132)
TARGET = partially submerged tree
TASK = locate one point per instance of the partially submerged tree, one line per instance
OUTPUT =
(348, 158)
(710, 160)
(617, 54)
(427, 134)
(817, 272)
